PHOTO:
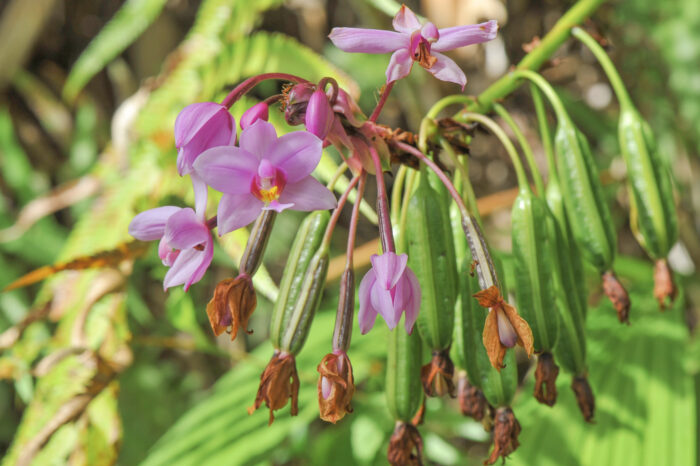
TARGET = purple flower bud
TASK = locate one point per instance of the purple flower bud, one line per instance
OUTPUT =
(257, 112)
(295, 102)
(319, 115)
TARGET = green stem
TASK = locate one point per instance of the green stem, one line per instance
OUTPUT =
(445, 102)
(620, 90)
(547, 90)
(545, 134)
(537, 57)
(503, 137)
(524, 145)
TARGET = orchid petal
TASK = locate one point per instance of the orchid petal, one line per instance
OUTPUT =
(389, 268)
(150, 225)
(399, 65)
(277, 207)
(413, 305)
(227, 169)
(207, 256)
(307, 195)
(184, 230)
(192, 118)
(367, 40)
(201, 194)
(236, 211)
(185, 269)
(296, 153)
(406, 20)
(258, 137)
(383, 303)
(461, 36)
(445, 69)
(367, 314)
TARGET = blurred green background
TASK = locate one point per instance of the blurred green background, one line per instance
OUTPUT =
(102, 367)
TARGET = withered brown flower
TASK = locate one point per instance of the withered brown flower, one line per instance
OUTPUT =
(503, 327)
(618, 296)
(545, 379)
(584, 396)
(472, 401)
(405, 446)
(232, 305)
(505, 435)
(664, 287)
(278, 383)
(336, 386)
(437, 375)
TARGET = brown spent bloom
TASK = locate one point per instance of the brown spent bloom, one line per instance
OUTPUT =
(664, 287)
(405, 446)
(584, 396)
(618, 295)
(336, 386)
(278, 383)
(437, 375)
(472, 401)
(546, 378)
(505, 435)
(503, 327)
(232, 305)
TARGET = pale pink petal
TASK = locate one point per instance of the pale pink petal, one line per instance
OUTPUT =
(406, 20)
(430, 32)
(506, 332)
(184, 230)
(399, 65)
(227, 169)
(383, 303)
(192, 118)
(296, 153)
(277, 207)
(307, 195)
(189, 267)
(258, 137)
(367, 40)
(389, 267)
(150, 225)
(413, 304)
(367, 314)
(201, 193)
(236, 211)
(445, 69)
(461, 36)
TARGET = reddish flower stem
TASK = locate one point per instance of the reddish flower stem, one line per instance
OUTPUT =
(253, 81)
(444, 178)
(382, 100)
(354, 220)
(385, 231)
(336, 213)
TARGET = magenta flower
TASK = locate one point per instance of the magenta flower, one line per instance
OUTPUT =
(199, 127)
(319, 116)
(413, 42)
(265, 172)
(389, 288)
(186, 245)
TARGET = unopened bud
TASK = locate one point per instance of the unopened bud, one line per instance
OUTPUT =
(319, 115)
(279, 382)
(259, 111)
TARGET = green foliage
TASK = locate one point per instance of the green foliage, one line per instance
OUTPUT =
(124, 28)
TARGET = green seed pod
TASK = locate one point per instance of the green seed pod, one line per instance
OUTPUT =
(653, 213)
(589, 214)
(431, 256)
(404, 392)
(304, 266)
(534, 262)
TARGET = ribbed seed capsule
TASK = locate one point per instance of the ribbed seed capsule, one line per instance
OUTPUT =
(404, 393)
(302, 258)
(533, 261)
(431, 256)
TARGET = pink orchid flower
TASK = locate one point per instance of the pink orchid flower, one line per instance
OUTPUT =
(389, 288)
(265, 172)
(186, 245)
(199, 127)
(413, 42)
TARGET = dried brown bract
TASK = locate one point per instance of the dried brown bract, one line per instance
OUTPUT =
(232, 305)
(618, 295)
(505, 435)
(278, 383)
(472, 401)
(437, 375)
(405, 446)
(584, 396)
(336, 386)
(545, 379)
(664, 287)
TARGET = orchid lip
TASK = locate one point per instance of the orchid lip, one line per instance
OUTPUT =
(268, 184)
